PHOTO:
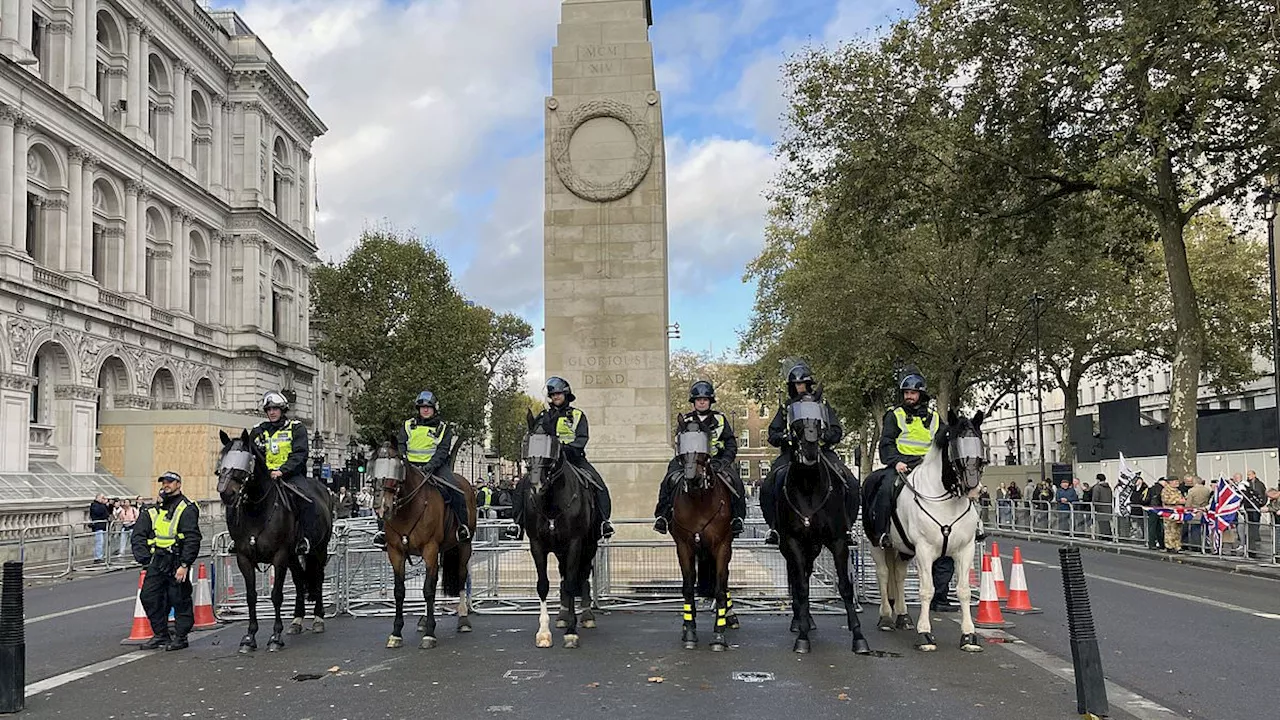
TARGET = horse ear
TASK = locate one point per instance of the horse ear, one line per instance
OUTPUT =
(244, 435)
(977, 419)
(222, 435)
(952, 417)
(529, 419)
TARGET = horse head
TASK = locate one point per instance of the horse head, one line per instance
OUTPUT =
(388, 473)
(693, 447)
(807, 421)
(238, 465)
(541, 453)
(965, 450)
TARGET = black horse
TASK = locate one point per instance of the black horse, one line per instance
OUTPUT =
(812, 515)
(560, 517)
(265, 530)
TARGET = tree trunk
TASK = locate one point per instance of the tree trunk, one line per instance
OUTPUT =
(1070, 404)
(1188, 352)
(943, 399)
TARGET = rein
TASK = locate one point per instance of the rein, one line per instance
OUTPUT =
(786, 493)
(904, 482)
(712, 481)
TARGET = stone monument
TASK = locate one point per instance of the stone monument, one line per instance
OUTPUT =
(605, 243)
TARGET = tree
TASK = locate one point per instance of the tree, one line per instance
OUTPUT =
(507, 425)
(391, 313)
(688, 366)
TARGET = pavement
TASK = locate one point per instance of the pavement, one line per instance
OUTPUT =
(1188, 642)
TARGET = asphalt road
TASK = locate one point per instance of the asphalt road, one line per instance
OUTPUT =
(1183, 637)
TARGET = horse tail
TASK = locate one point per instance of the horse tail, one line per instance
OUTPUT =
(453, 571)
(706, 565)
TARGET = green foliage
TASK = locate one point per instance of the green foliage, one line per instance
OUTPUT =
(688, 366)
(391, 313)
(507, 422)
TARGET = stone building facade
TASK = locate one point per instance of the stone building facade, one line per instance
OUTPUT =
(156, 237)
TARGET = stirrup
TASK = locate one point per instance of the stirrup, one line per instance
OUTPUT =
(737, 526)
(606, 529)
(513, 532)
(772, 538)
(660, 525)
(303, 547)
(464, 533)
(380, 539)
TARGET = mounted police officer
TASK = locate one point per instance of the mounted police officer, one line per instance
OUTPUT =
(284, 443)
(166, 539)
(425, 441)
(571, 429)
(801, 386)
(724, 449)
(905, 439)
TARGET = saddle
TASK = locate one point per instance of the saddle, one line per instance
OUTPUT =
(720, 475)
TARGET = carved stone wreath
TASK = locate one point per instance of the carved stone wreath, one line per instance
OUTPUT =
(641, 162)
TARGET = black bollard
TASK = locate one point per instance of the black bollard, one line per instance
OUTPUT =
(13, 648)
(1091, 689)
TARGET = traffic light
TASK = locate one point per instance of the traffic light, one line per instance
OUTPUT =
(360, 463)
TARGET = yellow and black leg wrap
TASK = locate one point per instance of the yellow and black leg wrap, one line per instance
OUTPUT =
(720, 617)
(688, 612)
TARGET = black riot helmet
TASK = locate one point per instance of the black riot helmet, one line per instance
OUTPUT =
(702, 389)
(799, 373)
(913, 381)
(560, 385)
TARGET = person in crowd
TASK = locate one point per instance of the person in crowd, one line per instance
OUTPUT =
(126, 514)
(99, 516)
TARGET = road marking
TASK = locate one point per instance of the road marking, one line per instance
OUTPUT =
(73, 611)
(1041, 564)
(1183, 596)
(68, 677)
(1268, 616)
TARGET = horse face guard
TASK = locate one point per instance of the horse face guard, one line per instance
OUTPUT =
(541, 455)
(967, 453)
(808, 421)
(235, 471)
(388, 473)
(693, 447)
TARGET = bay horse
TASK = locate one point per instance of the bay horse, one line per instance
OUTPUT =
(812, 515)
(560, 518)
(701, 514)
(933, 517)
(418, 521)
(264, 529)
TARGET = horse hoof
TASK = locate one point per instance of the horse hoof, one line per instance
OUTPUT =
(275, 646)
(542, 640)
(904, 622)
(969, 643)
(733, 622)
(795, 625)
(422, 624)
(589, 623)
(718, 643)
(925, 642)
(885, 624)
(690, 645)
(428, 643)
(802, 646)
(861, 646)
(561, 624)
(394, 641)
(571, 642)
(295, 628)
(464, 625)
(317, 626)
(246, 649)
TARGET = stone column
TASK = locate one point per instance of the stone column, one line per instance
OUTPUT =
(132, 270)
(252, 153)
(7, 118)
(179, 129)
(305, 203)
(217, 106)
(89, 39)
(21, 135)
(137, 79)
(24, 23)
(86, 216)
(252, 305)
(75, 192)
(9, 28)
(216, 244)
(78, 77)
(139, 233)
(15, 406)
(144, 52)
(75, 426)
(180, 265)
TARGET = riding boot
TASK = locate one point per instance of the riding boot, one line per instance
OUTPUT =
(661, 525)
(737, 526)
(380, 537)
(464, 532)
(982, 530)
(606, 529)
(514, 531)
(769, 508)
(738, 505)
(605, 505)
(663, 509)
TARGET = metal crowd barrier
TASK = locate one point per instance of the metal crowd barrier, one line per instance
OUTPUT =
(638, 569)
(1247, 540)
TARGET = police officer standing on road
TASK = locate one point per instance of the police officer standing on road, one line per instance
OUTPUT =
(166, 539)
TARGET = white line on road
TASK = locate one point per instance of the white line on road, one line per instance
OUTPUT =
(73, 611)
(1183, 596)
(47, 684)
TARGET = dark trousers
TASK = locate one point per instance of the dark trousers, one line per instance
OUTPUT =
(879, 502)
(451, 492)
(162, 591)
(604, 503)
(777, 479)
(308, 517)
(1155, 531)
(667, 491)
(944, 568)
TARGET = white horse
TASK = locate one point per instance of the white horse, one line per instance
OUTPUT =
(934, 516)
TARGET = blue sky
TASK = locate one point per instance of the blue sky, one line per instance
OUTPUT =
(434, 110)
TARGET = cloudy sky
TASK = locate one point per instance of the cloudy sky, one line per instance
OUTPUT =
(435, 116)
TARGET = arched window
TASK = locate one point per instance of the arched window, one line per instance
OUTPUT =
(46, 203)
(199, 274)
(158, 257)
(159, 103)
(201, 136)
(279, 300)
(279, 178)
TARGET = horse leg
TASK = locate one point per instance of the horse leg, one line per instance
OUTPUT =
(562, 617)
(249, 642)
(925, 642)
(276, 641)
(799, 580)
(316, 585)
(571, 587)
(898, 580)
(884, 577)
(300, 597)
(732, 618)
(396, 554)
(431, 562)
(588, 617)
(840, 554)
(464, 600)
(543, 638)
(689, 576)
(718, 641)
(968, 636)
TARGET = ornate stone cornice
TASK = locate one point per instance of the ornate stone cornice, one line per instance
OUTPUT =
(133, 402)
(162, 254)
(77, 154)
(201, 140)
(76, 392)
(55, 203)
(10, 381)
(164, 108)
(114, 71)
(59, 28)
(8, 114)
(181, 214)
(137, 187)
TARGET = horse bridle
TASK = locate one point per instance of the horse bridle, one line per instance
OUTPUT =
(956, 447)
(703, 449)
(241, 460)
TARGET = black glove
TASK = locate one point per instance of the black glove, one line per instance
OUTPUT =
(717, 465)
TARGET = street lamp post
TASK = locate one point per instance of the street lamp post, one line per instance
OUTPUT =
(317, 454)
(1268, 200)
(1009, 458)
(1036, 303)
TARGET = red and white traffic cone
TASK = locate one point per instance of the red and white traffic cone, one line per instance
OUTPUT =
(997, 570)
(141, 630)
(1019, 599)
(989, 616)
(204, 602)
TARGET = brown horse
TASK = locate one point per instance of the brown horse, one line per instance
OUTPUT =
(418, 522)
(702, 512)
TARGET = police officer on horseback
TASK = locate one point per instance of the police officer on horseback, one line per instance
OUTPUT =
(426, 442)
(801, 386)
(724, 447)
(570, 427)
(284, 443)
(166, 539)
(905, 439)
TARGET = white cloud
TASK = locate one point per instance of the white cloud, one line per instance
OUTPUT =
(535, 368)
(507, 269)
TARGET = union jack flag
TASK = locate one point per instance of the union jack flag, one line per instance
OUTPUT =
(1223, 510)
(1180, 514)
